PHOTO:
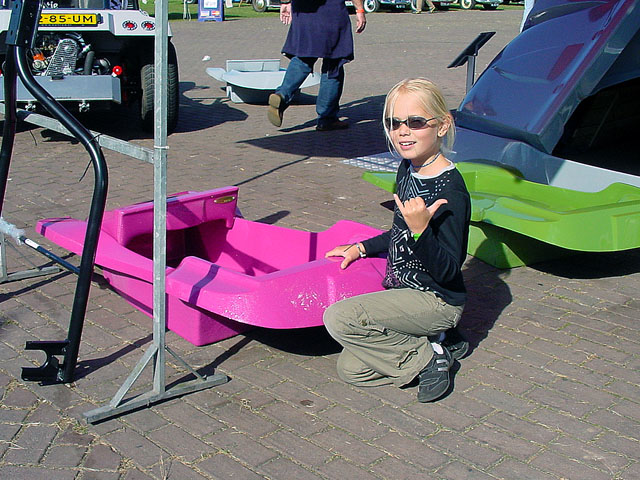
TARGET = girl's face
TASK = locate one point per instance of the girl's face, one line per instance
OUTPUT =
(419, 144)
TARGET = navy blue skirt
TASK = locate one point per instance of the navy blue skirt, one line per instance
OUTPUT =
(320, 29)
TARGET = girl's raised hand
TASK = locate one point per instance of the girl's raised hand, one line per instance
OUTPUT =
(415, 212)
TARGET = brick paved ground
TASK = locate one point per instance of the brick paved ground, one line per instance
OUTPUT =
(549, 391)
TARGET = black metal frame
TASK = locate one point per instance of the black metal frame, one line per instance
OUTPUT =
(20, 37)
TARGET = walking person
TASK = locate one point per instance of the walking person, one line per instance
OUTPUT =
(317, 30)
(387, 335)
(418, 5)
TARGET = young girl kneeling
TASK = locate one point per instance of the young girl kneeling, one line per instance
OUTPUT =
(386, 334)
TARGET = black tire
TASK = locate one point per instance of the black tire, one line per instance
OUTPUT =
(371, 6)
(147, 104)
(259, 6)
(467, 4)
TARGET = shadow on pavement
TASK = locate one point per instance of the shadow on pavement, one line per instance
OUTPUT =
(586, 265)
(310, 342)
(195, 115)
(365, 135)
(86, 367)
(124, 122)
(274, 169)
(488, 294)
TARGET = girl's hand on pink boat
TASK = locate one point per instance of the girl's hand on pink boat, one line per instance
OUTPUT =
(350, 253)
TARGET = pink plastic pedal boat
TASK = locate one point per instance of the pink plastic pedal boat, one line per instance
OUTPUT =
(224, 274)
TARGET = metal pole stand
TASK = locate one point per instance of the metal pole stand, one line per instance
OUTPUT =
(158, 348)
(18, 235)
(159, 392)
(468, 56)
(23, 274)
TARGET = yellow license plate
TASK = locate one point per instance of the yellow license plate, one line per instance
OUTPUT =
(67, 19)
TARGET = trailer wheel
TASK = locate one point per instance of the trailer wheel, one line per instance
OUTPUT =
(147, 103)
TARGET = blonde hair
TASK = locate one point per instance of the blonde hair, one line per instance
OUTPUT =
(431, 99)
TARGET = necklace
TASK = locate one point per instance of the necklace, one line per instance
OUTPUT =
(428, 163)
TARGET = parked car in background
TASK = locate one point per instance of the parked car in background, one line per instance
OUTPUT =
(471, 4)
(264, 5)
(370, 6)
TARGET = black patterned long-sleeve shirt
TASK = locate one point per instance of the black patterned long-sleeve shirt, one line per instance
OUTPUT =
(433, 261)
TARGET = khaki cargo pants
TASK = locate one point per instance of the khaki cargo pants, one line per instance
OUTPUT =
(384, 334)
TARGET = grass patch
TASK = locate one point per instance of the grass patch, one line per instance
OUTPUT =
(176, 9)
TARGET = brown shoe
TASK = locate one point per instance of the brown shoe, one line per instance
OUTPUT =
(337, 125)
(276, 109)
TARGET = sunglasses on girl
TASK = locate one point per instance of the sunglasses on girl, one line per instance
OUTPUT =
(414, 122)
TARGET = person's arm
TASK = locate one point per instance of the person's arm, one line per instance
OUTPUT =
(285, 11)
(365, 248)
(440, 253)
(377, 244)
(350, 253)
(360, 18)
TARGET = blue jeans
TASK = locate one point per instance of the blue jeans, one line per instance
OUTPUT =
(331, 84)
